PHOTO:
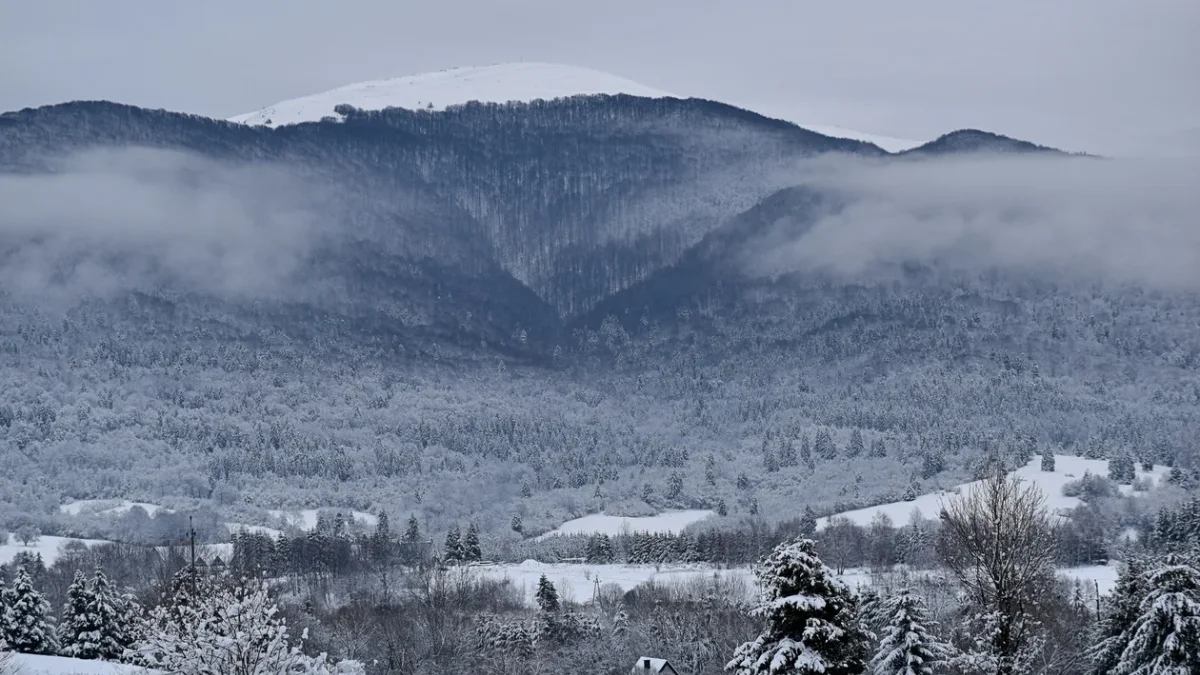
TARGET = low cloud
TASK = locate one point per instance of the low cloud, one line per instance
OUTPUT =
(107, 222)
(1127, 221)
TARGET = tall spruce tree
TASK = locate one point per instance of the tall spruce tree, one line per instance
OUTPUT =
(470, 545)
(813, 623)
(93, 623)
(1121, 610)
(453, 549)
(906, 647)
(1165, 637)
(30, 630)
(547, 596)
(413, 533)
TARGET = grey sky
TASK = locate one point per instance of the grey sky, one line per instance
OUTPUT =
(1101, 75)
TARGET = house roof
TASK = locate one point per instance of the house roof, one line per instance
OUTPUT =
(656, 665)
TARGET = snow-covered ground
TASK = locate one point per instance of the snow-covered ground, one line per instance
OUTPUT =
(107, 507)
(500, 83)
(47, 546)
(668, 522)
(1067, 468)
(1103, 576)
(29, 664)
(306, 519)
(577, 582)
(237, 528)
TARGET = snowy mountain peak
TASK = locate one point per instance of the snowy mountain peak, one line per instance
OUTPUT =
(498, 83)
(501, 83)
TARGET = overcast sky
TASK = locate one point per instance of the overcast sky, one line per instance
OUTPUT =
(1099, 75)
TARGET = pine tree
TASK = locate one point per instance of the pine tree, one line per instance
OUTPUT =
(710, 470)
(787, 454)
(806, 454)
(823, 446)
(856, 444)
(812, 619)
(907, 647)
(1121, 469)
(547, 596)
(30, 629)
(412, 534)
(517, 524)
(878, 449)
(1121, 610)
(74, 622)
(1165, 637)
(6, 601)
(454, 548)
(674, 485)
(1048, 461)
(470, 545)
(722, 510)
(93, 624)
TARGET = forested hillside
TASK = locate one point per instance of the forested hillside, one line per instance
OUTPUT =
(539, 310)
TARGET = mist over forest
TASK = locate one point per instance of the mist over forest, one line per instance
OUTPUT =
(502, 317)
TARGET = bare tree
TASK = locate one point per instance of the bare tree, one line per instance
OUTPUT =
(998, 542)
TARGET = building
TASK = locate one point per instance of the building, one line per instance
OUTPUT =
(648, 664)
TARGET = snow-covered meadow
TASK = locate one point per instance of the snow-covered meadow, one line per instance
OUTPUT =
(50, 548)
(31, 664)
(1067, 468)
(667, 522)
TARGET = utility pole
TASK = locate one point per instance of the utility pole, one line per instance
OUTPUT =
(192, 540)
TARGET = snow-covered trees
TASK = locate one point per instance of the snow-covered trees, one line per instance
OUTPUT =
(1121, 469)
(29, 628)
(1048, 461)
(471, 550)
(230, 631)
(1164, 639)
(547, 596)
(95, 622)
(813, 624)
(1121, 610)
(453, 549)
(906, 646)
(998, 542)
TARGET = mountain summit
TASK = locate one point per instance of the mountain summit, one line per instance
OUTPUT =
(502, 83)
(499, 83)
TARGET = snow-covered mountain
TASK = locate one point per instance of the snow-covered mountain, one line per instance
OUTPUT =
(525, 81)
(435, 91)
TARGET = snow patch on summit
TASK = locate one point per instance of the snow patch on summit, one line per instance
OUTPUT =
(435, 91)
(502, 83)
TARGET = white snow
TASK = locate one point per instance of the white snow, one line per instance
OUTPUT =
(237, 528)
(306, 519)
(667, 522)
(497, 83)
(107, 507)
(501, 83)
(1067, 468)
(577, 582)
(47, 546)
(1104, 576)
(30, 664)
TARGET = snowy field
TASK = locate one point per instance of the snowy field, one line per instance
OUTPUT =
(667, 522)
(577, 582)
(1067, 468)
(29, 664)
(107, 507)
(49, 547)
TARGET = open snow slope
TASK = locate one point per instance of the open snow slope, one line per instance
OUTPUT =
(668, 522)
(1067, 468)
(30, 664)
(107, 507)
(47, 546)
(525, 81)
